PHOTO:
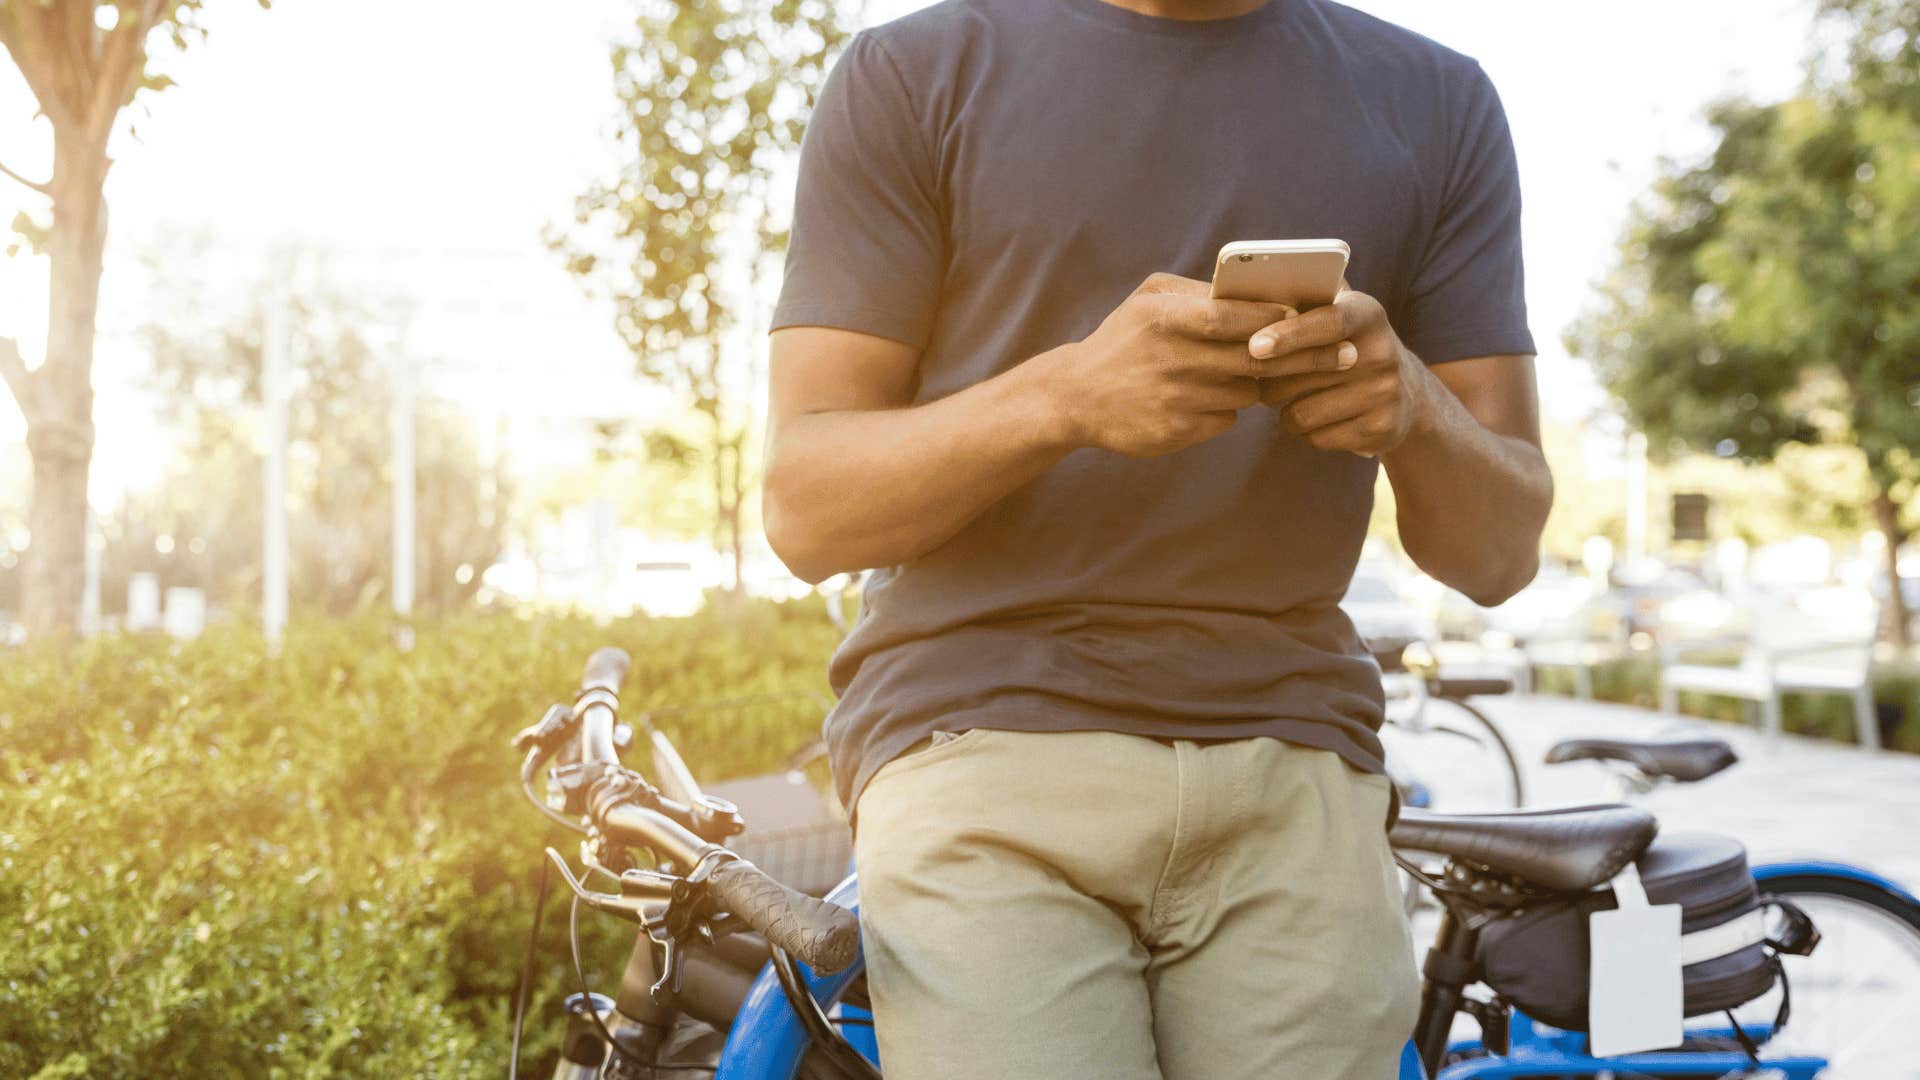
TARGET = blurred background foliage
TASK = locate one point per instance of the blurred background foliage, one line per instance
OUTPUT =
(1764, 297)
(201, 525)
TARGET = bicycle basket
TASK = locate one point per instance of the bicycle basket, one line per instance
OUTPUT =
(811, 858)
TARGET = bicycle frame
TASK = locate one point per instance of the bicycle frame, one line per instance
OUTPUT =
(1535, 1048)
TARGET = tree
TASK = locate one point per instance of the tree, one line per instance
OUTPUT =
(713, 96)
(1765, 296)
(84, 61)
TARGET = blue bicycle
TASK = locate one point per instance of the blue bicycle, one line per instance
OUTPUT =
(736, 976)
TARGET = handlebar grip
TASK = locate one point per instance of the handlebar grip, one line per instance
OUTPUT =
(606, 668)
(822, 935)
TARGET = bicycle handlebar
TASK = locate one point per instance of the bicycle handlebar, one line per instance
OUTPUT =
(822, 935)
(599, 696)
(606, 670)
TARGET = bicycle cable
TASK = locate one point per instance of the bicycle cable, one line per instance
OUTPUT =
(580, 973)
(526, 970)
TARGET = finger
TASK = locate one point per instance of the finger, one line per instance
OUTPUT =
(1172, 284)
(1340, 356)
(1350, 315)
(1282, 390)
(1377, 387)
(1364, 434)
(1220, 395)
(1324, 408)
(1217, 360)
(1204, 319)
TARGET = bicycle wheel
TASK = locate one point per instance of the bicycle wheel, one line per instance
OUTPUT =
(1456, 754)
(1856, 998)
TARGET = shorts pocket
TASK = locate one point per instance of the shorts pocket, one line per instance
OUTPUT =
(937, 746)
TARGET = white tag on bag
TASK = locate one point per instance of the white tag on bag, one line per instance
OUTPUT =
(1635, 997)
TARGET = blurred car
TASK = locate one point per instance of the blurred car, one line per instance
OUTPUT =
(1387, 622)
(1639, 592)
(1553, 598)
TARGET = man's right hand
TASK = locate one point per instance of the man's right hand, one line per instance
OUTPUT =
(1166, 369)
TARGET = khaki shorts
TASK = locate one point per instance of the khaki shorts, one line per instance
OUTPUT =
(1088, 904)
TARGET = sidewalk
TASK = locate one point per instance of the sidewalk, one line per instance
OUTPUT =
(1805, 798)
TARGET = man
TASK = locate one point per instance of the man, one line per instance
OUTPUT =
(1110, 742)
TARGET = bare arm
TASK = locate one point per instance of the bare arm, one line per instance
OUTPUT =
(1460, 440)
(858, 476)
(1470, 483)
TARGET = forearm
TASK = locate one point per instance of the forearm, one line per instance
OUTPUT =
(846, 490)
(1471, 502)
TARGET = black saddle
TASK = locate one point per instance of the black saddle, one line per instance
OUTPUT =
(1685, 760)
(1566, 850)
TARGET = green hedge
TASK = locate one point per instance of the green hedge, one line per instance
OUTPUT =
(214, 862)
(1636, 681)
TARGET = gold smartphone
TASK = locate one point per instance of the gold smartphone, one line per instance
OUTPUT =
(1299, 273)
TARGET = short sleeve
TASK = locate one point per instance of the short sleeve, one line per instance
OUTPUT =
(1468, 292)
(868, 249)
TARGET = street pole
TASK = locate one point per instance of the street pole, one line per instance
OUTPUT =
(273, 600)
(403, 480)
(90, 589)
(1636, 497)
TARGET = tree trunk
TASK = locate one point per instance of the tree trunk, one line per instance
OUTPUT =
(59, 411)
(1887, 513)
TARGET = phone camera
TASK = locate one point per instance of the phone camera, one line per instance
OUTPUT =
(1246, 258)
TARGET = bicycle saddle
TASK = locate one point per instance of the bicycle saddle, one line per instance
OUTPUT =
(1685, 760)
(1566, 850)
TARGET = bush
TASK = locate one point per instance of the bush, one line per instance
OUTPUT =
(217, 862)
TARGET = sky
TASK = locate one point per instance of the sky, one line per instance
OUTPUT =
(421, 147)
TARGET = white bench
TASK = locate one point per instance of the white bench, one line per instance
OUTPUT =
(1787, 649)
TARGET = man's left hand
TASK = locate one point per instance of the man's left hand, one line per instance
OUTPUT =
(1340, 377)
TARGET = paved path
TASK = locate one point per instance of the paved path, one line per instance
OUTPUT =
(1802, 798)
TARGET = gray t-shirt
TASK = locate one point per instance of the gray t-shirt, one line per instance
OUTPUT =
(985, 180)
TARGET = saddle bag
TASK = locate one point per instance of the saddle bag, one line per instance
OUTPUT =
(1537, 956)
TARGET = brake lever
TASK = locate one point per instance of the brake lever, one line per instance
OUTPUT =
(631, 908)
(548, 732)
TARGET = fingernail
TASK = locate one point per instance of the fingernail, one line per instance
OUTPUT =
(1346, 355)
(1288, 313)
(1261, 346)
